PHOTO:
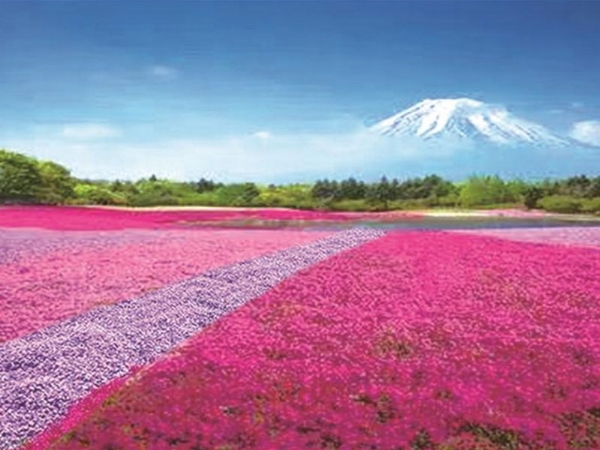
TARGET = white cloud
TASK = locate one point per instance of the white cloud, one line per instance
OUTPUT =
(587, 131)
(89, 131)
(262, 135)
(160, 71)
(261, 157)
(576, 105)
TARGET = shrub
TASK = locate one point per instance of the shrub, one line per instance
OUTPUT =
(591, 206)
(447, 200)
(96, 195)
(479, 191)
(417, 203)
(349, 205)
(560, 204)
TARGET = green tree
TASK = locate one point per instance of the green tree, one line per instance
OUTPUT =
(550, 187)
(20, 178)
(249, 193)
(154, 192)
(57, 184)
(204, 185)
(515, 190)
(561, 204)
(482, 191)
(325, 190)
(381, 193)
(350, 189)
(577, 186)
(97, 195)
(594, 188)
(532, 195)
(124, 189)
(237, 194)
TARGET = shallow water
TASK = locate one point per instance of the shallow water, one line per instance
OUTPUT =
(451, 223)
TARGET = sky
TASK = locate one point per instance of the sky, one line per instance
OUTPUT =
(277, 91)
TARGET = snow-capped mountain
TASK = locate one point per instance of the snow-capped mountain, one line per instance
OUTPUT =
(465, 118)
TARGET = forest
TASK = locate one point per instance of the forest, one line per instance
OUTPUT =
(27, 180)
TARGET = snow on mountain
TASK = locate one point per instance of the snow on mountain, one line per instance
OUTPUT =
(465, 118)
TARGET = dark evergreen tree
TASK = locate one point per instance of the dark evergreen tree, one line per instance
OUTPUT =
(204, 185)
(532, 195)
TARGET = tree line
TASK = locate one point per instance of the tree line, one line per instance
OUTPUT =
(24, 179)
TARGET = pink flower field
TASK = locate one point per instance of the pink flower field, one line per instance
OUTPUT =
(40, 290)
(84, 218)
(167, 338)
(571, 236)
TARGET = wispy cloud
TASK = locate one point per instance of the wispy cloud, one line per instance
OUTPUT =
(89, 131)
(261, 156)
(587, 131)
(576, 105)
(163, 72)
(262, 135)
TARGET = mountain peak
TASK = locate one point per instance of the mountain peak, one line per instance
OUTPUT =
(465, 118)
(462, 101)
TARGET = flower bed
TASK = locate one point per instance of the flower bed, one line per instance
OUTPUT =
(44, 373)
(81, 218)
(55, 277)
(19, 243)
(572, 236)
(422, 340)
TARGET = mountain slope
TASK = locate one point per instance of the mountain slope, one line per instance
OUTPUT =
(465, 118)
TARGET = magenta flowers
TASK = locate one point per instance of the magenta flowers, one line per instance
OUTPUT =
(572, 236)
(425, 340)
(56, 276)
(44, 373)
(80, 218)
(145, 335)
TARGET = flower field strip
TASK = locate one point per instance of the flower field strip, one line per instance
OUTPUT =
(77, 273)
(18, 243)
(70, 218)
(81, 218)
(44, 373)
(429, 340)
(572, 236)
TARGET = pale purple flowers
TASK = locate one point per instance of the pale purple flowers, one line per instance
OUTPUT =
(44, 373)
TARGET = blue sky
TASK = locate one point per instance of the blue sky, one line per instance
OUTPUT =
(187, 89)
